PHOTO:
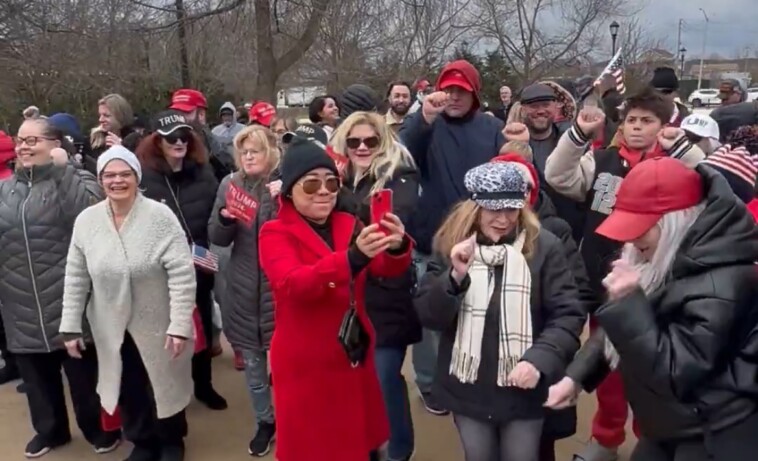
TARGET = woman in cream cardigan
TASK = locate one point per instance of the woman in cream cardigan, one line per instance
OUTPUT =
(130, 266)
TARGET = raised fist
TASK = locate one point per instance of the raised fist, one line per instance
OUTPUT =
(434, 104)
(516, 131)
(668, 136)
(591, 121)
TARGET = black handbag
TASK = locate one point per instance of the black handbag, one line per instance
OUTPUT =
(353, 335)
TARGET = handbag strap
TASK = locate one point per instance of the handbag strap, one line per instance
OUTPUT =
(179, 210)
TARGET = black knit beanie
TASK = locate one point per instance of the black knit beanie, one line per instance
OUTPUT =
(664, 78)
(303, 156)
(357, 98)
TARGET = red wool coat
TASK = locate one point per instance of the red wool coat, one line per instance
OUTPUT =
(325, 409)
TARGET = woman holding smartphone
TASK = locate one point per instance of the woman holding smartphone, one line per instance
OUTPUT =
(380, 169)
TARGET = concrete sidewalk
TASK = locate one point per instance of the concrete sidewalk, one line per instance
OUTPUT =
(223, 436)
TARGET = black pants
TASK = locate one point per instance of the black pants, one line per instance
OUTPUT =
(202, 374)
(547, 448)
(735, 443)
(137, 403)
(7, 356)
(47, 403)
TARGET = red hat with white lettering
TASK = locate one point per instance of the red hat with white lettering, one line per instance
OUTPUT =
(187, 100)
(652, 189)
(262, 113)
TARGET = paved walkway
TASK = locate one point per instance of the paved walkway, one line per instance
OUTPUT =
(217, 436)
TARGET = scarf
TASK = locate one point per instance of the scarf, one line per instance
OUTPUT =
(633, 157)
(515, 325)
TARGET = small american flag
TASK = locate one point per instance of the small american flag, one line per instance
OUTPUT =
(204, 258)
(615, 68)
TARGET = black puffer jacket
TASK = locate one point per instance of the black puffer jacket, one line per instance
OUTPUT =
(562, 423)
(37, 211)
(247, 306)
(557, 322)
(389, 301)
(689, 351)
(189, 193)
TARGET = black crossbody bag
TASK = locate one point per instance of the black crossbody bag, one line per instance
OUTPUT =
(353, 336)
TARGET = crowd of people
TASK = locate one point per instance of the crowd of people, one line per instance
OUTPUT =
(482, 238)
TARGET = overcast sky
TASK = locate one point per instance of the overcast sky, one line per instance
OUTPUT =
(733, 25)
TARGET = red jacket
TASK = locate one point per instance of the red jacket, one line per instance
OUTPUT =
(752, 207)
(7, 154)
(325, 409)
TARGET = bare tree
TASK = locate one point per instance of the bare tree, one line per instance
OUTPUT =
(538, 36)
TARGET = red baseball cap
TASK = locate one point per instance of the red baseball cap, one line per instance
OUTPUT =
(187, 100)
(455, 78)
(653, 188)
(262, 113)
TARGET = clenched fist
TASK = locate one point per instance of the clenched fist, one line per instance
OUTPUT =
(591, 121)
(668, 136)
(434, 104)
(516, 131)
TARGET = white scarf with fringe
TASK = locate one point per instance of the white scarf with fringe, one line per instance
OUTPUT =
(515, 323)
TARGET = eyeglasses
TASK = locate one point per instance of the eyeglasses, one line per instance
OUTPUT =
(370, 142)
(182, 134)
(31, 141)
(313, 185)
(121, 175)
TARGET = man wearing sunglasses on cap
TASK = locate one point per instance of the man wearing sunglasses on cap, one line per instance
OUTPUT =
(666, 81)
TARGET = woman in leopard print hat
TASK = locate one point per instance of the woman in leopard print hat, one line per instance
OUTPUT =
(500, 292)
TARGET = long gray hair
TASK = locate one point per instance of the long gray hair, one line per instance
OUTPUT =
(653, 273)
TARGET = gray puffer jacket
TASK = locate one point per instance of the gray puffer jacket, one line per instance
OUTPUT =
(37, 211)
(247, 304)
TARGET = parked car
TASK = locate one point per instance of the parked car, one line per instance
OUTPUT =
(704, 97)
(752, 94)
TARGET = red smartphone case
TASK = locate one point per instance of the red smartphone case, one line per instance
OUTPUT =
(381, 204)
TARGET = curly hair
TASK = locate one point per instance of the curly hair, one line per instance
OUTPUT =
(649, 100)
(744, 136)
(150, 152)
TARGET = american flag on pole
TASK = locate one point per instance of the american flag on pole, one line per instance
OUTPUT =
(204, 258)
(614, 68)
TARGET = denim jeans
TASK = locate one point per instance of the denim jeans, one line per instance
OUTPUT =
(425, 352)
(256, 375)
(517, 440)
(389, 362)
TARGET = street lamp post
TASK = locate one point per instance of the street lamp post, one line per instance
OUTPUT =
(614, 33)
(702, 55)
(682, 51)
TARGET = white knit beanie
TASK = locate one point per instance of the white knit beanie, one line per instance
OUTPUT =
(123, 154)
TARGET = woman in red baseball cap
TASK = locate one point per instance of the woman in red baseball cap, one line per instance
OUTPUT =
(680, 322)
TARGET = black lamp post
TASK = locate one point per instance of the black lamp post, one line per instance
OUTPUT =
(614, 33)
(682, 51)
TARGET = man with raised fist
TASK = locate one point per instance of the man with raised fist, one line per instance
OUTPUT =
(446, 138)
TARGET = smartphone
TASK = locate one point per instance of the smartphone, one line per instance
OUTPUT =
(381, 204)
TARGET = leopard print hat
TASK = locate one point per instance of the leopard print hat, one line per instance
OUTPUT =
(496, 186)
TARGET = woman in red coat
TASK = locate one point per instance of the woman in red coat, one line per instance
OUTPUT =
(315, 258)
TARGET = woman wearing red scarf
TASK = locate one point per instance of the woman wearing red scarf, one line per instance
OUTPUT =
(593, 177)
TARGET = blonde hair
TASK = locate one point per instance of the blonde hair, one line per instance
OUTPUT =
(264, 138)
(515, 114)
(31, 113)
(463, 221)
(391, 154)
(121, 113)
(519, 147)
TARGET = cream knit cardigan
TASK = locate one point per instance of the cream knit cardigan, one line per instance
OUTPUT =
(140, 279)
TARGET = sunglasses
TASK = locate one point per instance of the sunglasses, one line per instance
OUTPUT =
(181, 134)
(313, 185)
(370, 142)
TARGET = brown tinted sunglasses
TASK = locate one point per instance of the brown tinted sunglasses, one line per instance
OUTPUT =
(370, 142)
(313, 185)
